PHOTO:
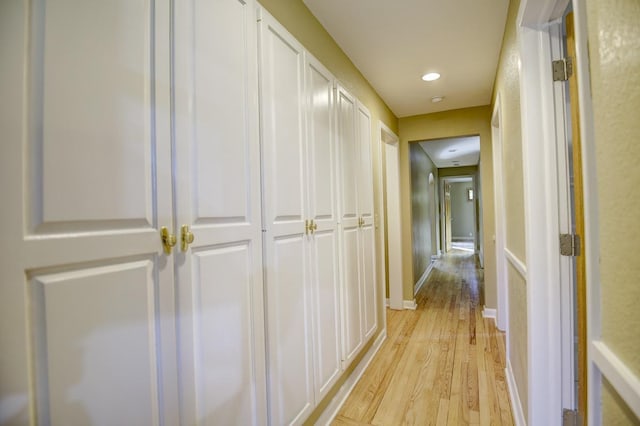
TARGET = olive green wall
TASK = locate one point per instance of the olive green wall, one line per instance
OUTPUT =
(614, 52)
(461, 122)
(422, 210)
(507, 88)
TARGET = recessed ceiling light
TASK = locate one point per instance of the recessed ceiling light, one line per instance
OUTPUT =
(437, 99)
(431, 76)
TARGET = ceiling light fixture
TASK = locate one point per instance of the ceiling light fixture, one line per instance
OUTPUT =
(431, 76)
(437, 99)
(452, 150)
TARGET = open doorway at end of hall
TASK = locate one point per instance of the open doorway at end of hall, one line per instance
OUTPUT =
(459, 220)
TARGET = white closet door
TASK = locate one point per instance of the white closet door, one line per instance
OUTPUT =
(290, 373)
(217, 187)
(348, 177)
(322, 196)
(85, 177)
(367, 229)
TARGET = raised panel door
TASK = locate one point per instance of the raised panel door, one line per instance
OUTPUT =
(86, 184)
(322, 202)
(286, 256)
(364, 164)
(217, 188)
(368, 277)
(352, 326)
(367, 228)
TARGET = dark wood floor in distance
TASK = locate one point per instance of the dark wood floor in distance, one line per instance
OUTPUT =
(442, 364)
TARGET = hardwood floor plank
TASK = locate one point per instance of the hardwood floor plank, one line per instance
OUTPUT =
(443, 412)
(442, 364)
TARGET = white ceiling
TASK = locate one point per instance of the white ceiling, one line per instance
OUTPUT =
(453, 152)
(394, 42)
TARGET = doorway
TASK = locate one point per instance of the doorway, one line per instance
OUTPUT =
(393, 238)
(459, 220)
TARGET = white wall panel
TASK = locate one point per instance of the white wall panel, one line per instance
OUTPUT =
(92, 116)
(225, 351)
(95, 340)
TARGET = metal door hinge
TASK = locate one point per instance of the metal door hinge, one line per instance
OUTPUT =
(562, 69)
(570, 417)
(569, 245)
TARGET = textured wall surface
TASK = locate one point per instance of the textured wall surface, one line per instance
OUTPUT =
(422, 210)
(518, 333)
(507, 88)
(460, 122)
(614, 51)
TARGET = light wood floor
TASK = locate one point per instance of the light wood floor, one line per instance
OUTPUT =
(442, 364)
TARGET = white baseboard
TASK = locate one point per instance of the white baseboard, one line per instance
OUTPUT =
(410, 304)
(423, 279)
(341, 396)
(489, 313)
(406, 304)
(516, 405)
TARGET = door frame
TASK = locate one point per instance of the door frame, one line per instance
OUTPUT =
(502, 317)
(443, 218)
(388, 141)
(538, 35)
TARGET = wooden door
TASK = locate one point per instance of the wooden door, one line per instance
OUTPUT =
(86, 294)
(290, 374)
(349, 222)
(367, 227)
(322, 202)
(217, 187)
(578, 220)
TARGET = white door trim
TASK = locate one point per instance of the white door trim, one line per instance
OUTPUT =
(502, 318)
(389, 141)
(544, 273)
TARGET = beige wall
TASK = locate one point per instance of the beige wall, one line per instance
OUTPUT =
(422, 210)
(518, 333)
(462, 122)
(614, 51)
(507, 88)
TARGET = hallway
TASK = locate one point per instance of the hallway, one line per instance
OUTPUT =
(441, 364)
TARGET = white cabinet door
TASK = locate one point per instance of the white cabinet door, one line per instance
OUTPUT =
(352, 326)
(322, 207)
(289, 331)
(217, 188)
(86, 292)
(367, 228)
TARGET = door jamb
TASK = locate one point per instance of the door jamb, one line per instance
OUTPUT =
(541, 209)
(395, 294)
(502, 317)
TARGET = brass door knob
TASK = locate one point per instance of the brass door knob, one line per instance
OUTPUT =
(186, 237)
(168, 239)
